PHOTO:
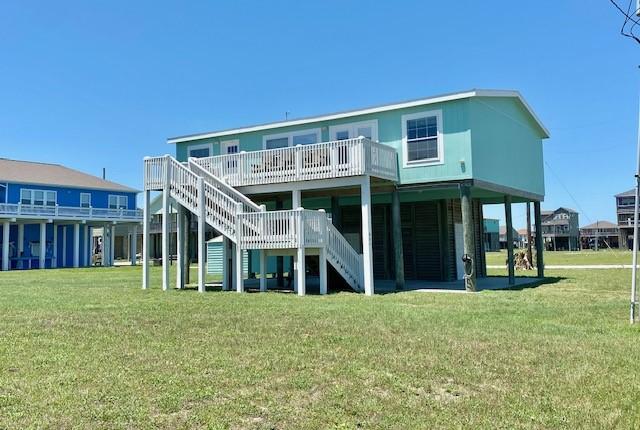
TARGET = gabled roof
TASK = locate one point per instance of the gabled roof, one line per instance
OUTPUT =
(35, 173)
(630, 193)
(372, 109)
(599, 224)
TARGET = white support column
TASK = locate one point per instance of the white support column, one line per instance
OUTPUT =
(86, 246)
(180, 247)
(296, 202)
(300, 257)
(20, 245)
(112, 244)
(367, 247)
(43, 245)
(238, 263)
(166, 215)
(263, 256)
(64, 246)
(145, 239)
(225, 264)
(263, 270)
(5, 245)
(54, 257)
(133, 244)
(323, 270)
(76, 245)
(322, 257)
(202, 245)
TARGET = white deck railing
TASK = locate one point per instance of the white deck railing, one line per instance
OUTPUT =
(69, 212)
(351, 157)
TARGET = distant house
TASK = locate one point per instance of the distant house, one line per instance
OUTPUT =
(560, 229)
(48, 212)
(600, 234)
(522, 237)
(491, 230)
(503, 237)
(624, 212)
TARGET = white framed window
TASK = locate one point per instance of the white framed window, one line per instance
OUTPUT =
(422, 139)
(85, 200)
(199, 151)
(117, 202)
(368, 129)
(282, 140)
(37, 197)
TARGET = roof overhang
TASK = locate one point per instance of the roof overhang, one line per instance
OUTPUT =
(370, 110)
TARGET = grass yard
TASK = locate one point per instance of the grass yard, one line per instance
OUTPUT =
(86, 348)
(608, 256)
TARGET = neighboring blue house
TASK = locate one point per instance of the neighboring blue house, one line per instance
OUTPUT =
(47, 212)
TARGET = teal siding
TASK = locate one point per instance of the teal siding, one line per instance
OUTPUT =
(507, 144)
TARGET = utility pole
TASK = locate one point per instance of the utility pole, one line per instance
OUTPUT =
(634, 270)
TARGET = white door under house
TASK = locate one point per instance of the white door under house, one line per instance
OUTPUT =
(459, 241)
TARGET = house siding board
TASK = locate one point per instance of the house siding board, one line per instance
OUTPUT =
(71, 196)
(506, 144)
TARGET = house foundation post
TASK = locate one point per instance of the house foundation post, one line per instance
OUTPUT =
(5, 245)
(54, 256)
(43, 245)
(539, 239)
(202, 244)
(166, 215)
(180, 247)
(468, 235)
(20, 245)
(238, 253)
(145, 239)
(76, 245)
(397, 239)
(509, 222)
(367, 246)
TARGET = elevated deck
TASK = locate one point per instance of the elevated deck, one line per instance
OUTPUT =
(68, 213)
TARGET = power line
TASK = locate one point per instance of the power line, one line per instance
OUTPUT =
(628, 17)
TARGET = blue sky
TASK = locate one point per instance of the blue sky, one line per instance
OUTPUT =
(102, 84)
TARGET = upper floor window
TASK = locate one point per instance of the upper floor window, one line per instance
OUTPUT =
(304, 137)
(85, 200)
(626, 201)
(37, 197)
(199, 151)
(422, 138)
(117, 202)
(368, 129)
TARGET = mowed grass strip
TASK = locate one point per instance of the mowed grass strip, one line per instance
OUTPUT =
(87, 348)
(569, 258)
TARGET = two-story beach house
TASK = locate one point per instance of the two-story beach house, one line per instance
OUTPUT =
(381, 198)
(560, 229)
(47, 212)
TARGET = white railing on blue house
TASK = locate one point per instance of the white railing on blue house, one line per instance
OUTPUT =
(69, 212)
(327, 160)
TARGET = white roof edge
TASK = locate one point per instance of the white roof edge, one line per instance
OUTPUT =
(374, 109)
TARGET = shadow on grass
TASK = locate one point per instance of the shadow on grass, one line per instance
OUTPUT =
(535, 283)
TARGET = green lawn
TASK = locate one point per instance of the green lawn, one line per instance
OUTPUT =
(87, 348)
(607, 256)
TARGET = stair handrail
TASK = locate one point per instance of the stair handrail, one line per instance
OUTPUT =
(338, 245)
(249, 205)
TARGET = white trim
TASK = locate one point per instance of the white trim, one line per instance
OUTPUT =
(85, 194)
(224, 144)
(290, 135)
(376, 109)
(44, 197)
(208, 146)
(351, 126)
(440, 140)
(118, 202)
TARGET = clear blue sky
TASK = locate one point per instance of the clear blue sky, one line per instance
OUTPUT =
(102, 84)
